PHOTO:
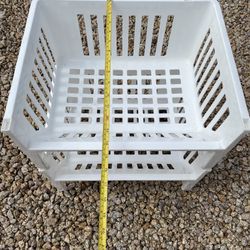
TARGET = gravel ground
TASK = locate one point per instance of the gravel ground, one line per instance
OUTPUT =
(154, 215)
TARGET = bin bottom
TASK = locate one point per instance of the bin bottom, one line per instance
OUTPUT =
(150, 107)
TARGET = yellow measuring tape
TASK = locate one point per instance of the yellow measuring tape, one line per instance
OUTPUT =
(105, 133)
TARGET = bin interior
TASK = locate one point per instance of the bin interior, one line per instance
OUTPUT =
(127, 165)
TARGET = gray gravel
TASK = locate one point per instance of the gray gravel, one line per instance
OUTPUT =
(152, 215)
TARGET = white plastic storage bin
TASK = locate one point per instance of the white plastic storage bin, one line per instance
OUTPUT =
(177, 105)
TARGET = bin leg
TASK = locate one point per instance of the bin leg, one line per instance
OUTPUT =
(59, 185)
(188, 185)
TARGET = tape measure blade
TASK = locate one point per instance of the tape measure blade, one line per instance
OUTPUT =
(105, 136)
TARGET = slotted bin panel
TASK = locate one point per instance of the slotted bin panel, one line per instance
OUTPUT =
(177, 105)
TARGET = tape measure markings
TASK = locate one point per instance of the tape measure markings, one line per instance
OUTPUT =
(105, 133)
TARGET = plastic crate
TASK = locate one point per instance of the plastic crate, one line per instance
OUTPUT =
(177, 105)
